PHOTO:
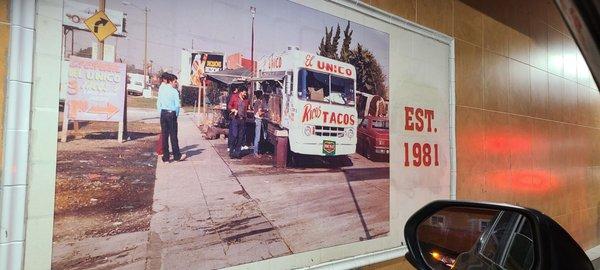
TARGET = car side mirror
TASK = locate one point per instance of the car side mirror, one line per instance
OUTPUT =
(467, 235)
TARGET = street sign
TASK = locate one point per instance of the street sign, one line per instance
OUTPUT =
(75, 13)
(100, 25)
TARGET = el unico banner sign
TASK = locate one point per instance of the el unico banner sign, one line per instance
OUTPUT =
(95, 90)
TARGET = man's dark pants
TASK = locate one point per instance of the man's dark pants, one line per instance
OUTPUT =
(238, 127)
(168, 128)
(230, 136)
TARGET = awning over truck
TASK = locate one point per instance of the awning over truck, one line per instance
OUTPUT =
(230, 76)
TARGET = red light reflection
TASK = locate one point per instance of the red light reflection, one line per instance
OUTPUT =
(528, 181)
(504, 143)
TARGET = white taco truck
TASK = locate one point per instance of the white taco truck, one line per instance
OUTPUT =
(312, 99)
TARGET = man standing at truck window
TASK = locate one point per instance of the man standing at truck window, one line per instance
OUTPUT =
(168, 105)
(259, 112)
(223, 106)
(232, 96)
(239, 108)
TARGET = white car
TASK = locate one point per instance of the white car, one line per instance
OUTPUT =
(135, 86)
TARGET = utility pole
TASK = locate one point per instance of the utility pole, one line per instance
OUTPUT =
(101, 7)
(145, 46)
(145, 64)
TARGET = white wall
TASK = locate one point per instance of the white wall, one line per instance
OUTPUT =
(13, 186)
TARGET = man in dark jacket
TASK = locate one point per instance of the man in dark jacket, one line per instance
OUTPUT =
(234, 94)
(238, 106)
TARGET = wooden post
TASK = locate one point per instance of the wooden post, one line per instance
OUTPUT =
(124, 129)
(204, 96)
(65, 125)
(123, 122)
(120, 132)
(198, 101)
(101, 7)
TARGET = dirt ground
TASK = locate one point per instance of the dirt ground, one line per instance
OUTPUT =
(104, 187)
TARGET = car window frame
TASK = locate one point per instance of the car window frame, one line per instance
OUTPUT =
(516, 230)
(487, 238)
(518, 224)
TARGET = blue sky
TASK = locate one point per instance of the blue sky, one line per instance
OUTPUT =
(225, 26)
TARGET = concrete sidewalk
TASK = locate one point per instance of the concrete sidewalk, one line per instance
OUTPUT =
(204, 219)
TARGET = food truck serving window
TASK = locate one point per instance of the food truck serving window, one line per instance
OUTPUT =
(316, 86)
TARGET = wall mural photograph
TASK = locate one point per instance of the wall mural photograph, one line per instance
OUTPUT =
(275, 121)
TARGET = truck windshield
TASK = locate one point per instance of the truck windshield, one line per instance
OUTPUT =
(316, 86)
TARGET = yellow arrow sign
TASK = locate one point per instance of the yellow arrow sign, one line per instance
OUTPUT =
(100, 25)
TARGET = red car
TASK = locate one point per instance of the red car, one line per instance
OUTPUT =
(373, 139)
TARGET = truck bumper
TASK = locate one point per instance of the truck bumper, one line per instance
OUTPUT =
(317, 149)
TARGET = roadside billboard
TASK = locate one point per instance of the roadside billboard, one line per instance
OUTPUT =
(213, 63)
(75, 13)
(95, 90)
(195, 64)
(205, 62)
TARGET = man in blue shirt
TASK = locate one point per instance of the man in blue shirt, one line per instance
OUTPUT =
(168, 105)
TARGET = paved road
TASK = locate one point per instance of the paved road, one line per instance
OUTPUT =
(143, 114)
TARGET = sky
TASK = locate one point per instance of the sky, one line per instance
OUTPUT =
(225, 26)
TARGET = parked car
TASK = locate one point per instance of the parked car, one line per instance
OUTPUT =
(373, 137)
(135, 84)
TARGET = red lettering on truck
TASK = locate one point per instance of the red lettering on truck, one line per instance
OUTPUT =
(310, 113)
(331, 68)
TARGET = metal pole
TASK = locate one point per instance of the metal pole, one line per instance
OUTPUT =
(251, 94)
(146, 47)
(252, 46)
(101, 7)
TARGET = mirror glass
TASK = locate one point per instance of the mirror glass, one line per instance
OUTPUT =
(476, 238)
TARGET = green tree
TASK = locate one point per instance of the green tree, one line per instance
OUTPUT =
(345, 51)
(325, 42)
(369, 76)
(329, 44)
